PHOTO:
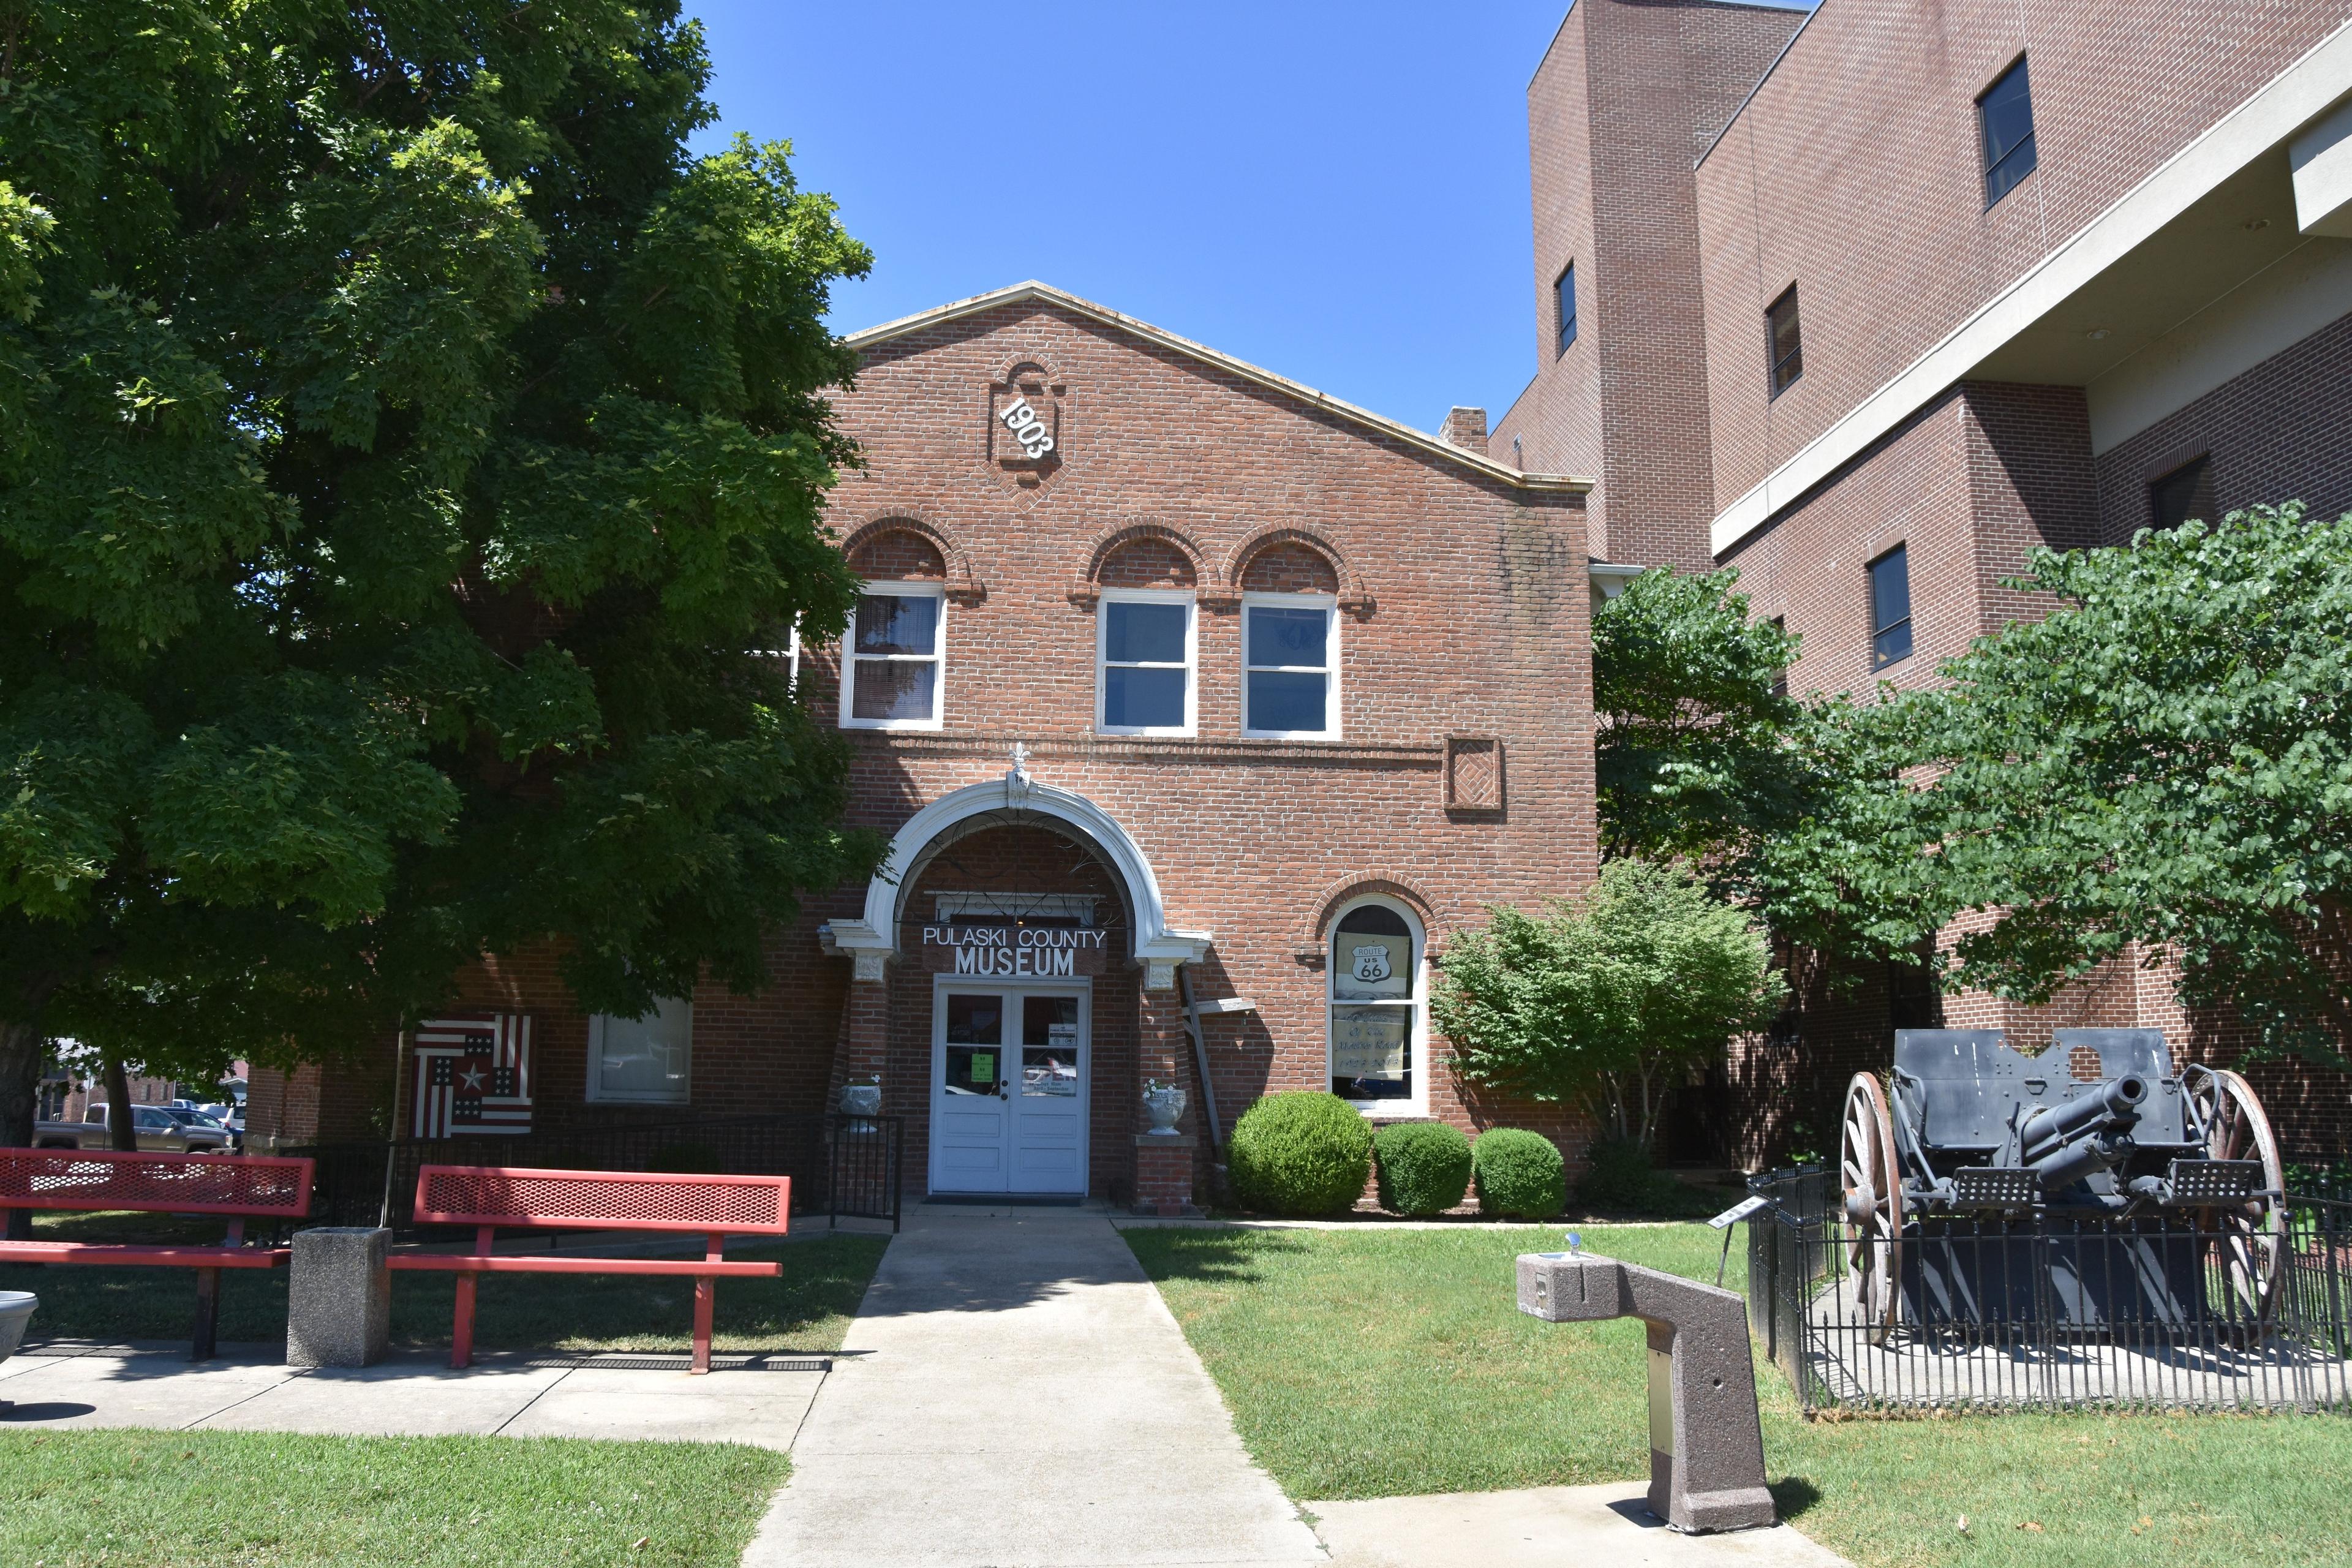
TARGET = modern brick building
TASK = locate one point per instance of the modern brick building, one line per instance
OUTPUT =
(1177, 684)
(1869, 301)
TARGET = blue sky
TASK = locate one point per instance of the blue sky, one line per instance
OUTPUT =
(1337, 193)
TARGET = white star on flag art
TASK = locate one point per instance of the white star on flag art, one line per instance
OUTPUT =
(473, 1075)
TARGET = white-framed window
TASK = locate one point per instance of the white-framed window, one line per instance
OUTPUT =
(1378, 1035)
(1290, 652)
(1146, 649)
(642, 1061)
(894, 664)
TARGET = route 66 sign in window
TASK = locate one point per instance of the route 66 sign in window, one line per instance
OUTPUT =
(1372, 965)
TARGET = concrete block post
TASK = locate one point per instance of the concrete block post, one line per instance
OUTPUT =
(338, 1298)
(1706, 1443)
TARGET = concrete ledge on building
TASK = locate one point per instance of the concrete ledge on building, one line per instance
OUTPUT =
(1163, 1173)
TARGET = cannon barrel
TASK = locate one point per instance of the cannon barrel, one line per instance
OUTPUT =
(2116, 1103)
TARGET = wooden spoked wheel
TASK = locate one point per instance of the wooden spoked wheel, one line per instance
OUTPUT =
(1872, 1185)
(2250, 1238)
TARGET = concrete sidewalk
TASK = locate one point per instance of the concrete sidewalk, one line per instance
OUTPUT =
(411, 1394)
(1027, 1399)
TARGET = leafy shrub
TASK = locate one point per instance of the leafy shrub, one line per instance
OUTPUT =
(1617, 1174)
(1300, 1154)
(1520, 1174)
(1423, 1166)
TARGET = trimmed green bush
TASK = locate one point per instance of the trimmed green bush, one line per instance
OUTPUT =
(1617, 1174)
(1423, 1166)
(1300, 1154)
(1520, 1174)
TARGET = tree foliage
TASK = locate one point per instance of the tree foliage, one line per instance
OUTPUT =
(407, 449)
(1596, 1003)
(1694, 754)
(2166, 761)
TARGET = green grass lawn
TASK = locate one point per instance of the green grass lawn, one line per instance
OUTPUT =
(1391, 1363)
(264, 1499)
(807, 1309)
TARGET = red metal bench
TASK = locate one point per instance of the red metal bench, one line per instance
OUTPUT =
(491, 1198)
(243, 1186)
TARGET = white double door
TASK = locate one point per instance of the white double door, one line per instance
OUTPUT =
(1011, 1066)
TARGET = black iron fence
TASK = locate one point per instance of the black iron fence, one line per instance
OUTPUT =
(2188, 1308)
(841, 1166)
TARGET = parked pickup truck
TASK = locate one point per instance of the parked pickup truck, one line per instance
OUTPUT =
(159, 1133)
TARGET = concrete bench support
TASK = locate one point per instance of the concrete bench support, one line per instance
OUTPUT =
(1707, 1446)
(339, 1300)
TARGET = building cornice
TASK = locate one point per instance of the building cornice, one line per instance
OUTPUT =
(1380, 424)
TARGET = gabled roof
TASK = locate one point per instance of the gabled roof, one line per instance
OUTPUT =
(1420, 440)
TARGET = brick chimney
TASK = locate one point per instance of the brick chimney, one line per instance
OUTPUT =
(1465, 427)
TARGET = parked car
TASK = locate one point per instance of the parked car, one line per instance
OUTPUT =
(158, 1132)
(202, 1121)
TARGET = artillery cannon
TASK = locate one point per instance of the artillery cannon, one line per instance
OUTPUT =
(2153, 1197)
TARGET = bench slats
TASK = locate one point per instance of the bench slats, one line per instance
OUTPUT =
(493, 1263)
(602, 1200)
(258, 1186)
(133, 1255)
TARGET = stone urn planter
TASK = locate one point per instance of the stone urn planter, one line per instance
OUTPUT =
(1164, 1104)
(861, 1100)
(15, 1311)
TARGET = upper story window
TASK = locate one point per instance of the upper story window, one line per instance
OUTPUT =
(2184, 493)
(643, 1061)
(2005, 124)
(1144, 655)
(1376, 1026)
(1291, 649)
(1780, 676)
(1566, 290)
(1784, 344)
(1890, 609)
(894, 673)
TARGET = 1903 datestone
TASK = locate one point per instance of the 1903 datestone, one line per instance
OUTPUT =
(339, 1296)
(1707, 1447)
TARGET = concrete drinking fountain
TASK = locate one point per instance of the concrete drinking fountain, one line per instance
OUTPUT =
(1706, 1444)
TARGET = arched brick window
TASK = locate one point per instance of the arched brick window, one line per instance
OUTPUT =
(1378, 1004)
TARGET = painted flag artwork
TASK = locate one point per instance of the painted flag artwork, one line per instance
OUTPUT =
(473, 1075)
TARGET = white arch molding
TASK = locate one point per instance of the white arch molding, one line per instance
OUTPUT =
(872, 940)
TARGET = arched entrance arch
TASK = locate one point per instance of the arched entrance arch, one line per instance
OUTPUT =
(873, 939)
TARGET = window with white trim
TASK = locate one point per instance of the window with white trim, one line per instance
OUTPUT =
(894, 669)
(1145, 649)
(642, 1061)
(1376, 1033)
(1290, 648)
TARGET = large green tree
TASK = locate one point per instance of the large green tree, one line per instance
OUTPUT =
(407, 450)
(2165, 760)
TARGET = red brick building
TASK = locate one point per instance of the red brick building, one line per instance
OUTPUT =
(1867, 301)
(1176, 684)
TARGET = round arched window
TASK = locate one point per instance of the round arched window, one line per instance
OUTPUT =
(1375, 969)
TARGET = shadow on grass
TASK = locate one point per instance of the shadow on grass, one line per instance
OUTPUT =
(1793, 1495)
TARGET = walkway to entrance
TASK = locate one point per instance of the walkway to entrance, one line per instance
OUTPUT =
(1025, 1398)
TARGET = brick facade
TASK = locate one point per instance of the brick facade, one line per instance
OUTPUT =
(1838, 151)
(1463, 621)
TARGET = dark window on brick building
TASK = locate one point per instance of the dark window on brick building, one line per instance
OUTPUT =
(1912, 1002)
(1780, 676)
(1890, 609)
(1566, 290)
(1784, 345)
(2184, 493)
(2005, 119)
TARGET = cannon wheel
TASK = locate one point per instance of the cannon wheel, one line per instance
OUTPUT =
(1873, 1191)
(2251, 1244)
